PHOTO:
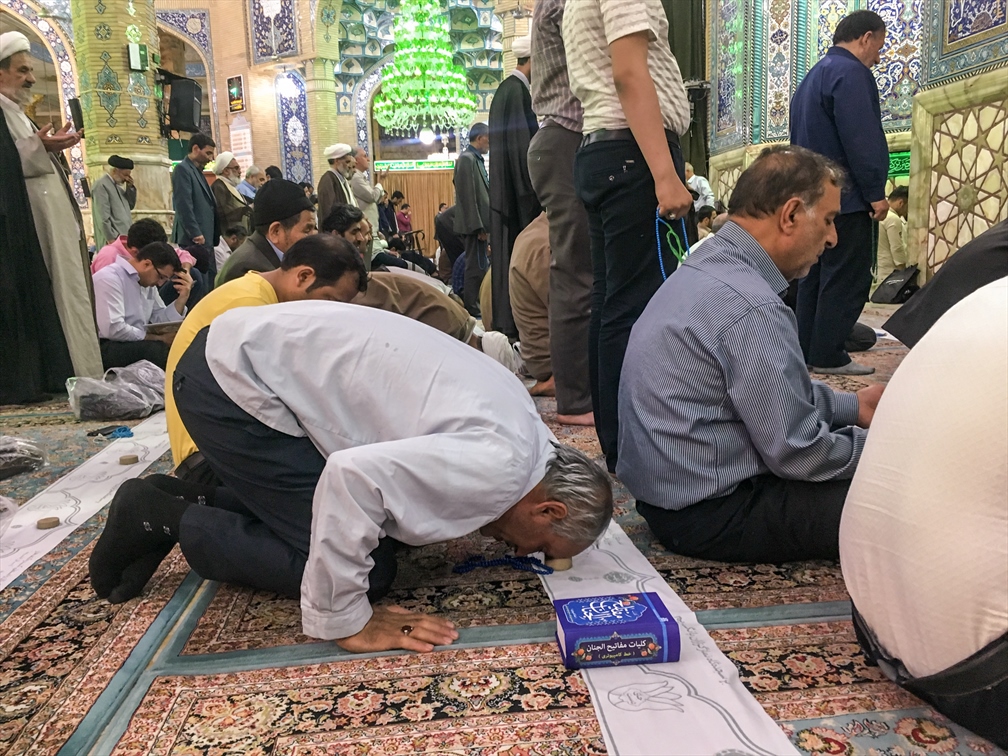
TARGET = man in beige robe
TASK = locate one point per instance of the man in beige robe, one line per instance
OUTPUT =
(58, 221)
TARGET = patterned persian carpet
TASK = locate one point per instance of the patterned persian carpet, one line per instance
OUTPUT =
(62, 646)
(199, 668)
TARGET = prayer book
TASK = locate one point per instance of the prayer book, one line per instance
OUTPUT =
(605, 631)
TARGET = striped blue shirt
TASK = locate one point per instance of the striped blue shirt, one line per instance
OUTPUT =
(714, 388)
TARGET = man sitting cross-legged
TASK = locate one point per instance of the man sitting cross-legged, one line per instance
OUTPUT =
(328, 447)
(316, 267)
(730, 450)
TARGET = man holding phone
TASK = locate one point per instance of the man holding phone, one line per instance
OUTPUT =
(57, 218)
(127, 302)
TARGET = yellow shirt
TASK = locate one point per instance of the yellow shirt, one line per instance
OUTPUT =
(251, 290)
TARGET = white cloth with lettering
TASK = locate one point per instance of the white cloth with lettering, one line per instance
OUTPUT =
(426, 438)
(694, 706)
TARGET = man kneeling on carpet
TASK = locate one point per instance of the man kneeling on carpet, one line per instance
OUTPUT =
(328, 448)
(730, 450)
(319, 266)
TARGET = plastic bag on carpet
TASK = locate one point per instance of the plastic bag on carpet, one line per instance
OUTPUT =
(125, 393)
(8, 507)
(18, 455)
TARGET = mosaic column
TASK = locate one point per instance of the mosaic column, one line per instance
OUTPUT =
(120, 106)
(323, 130)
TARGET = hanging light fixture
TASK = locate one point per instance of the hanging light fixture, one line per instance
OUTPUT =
(422, 89)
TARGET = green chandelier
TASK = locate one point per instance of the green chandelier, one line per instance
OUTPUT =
(423, 89)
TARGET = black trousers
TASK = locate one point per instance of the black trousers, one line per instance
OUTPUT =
(618, 191)
(123, 353)
(476, 265)
(765, 519)
(833, 294)
(259, 529)
(973, 693)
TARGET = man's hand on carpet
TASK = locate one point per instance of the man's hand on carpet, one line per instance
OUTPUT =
(868, 399)
(384, 632)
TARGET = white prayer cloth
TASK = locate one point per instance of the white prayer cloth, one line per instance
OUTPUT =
(59, 236)
(696, 705)
(426, 438)
(924, 532)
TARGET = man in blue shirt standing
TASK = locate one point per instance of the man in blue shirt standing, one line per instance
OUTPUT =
(730, 450)
(835, 112)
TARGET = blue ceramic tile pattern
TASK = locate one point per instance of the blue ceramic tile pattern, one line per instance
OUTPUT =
(274, 31)
(963, 37)
(292, 111)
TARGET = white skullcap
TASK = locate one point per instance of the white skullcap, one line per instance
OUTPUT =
(13, 42)
(334, 151)
(224, 159)
(522, 46)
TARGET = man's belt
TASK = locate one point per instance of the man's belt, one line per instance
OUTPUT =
(621, 135)
(188, 464)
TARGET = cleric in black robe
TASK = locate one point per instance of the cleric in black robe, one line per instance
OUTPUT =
(513, 203)
(35, 360)
(977, 263)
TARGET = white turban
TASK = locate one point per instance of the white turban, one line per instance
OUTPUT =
(13, 42)
(223, 161)
(522, 46)
(339, 150)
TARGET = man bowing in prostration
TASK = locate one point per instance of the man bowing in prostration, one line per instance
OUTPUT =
(58, 221)
(322, 467)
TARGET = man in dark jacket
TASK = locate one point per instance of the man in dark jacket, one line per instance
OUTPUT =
(282, 215)
(472, 212)
(195, 209)
(513, 202)
(836, 112)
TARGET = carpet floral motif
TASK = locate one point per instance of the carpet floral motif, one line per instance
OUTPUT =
(486, 700)
(62, 646)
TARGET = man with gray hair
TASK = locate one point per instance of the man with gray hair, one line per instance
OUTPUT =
(323, 467)
(254, 178)
(730, 450)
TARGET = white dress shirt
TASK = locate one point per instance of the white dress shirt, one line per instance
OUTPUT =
(426, 438)
(924, 531)
(123, 307)
(701, 186)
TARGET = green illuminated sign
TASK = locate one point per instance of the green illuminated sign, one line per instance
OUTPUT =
(414, 165)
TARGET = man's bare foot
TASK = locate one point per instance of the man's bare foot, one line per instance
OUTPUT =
(587, 419)
(544, 388)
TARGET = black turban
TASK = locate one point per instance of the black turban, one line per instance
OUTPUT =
(123, 164)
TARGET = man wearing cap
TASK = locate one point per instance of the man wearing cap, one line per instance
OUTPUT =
(232, 207)
(513, 203)
(334, 186)
(113, 198)
(282, 215)
(57, 218)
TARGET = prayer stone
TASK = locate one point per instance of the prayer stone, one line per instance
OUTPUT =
(128, 459)
(559, 565)
(47, 523)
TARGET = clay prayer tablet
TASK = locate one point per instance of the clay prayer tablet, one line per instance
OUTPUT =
(559, 565)
(128, 459)
(47, 523)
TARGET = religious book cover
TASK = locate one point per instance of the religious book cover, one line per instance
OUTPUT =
(604, 631)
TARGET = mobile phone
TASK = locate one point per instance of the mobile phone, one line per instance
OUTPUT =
(76, 114)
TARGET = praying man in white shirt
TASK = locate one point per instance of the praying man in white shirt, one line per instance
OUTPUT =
(127, 301)
(330, 451)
